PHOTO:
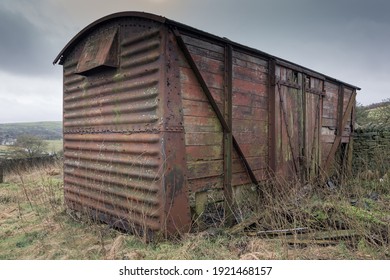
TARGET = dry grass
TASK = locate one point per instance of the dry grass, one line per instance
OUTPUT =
(34, 224)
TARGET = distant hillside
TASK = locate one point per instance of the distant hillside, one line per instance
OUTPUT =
(44, 130)
(377, 113)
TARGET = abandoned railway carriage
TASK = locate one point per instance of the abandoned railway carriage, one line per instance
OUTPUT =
(157, 114)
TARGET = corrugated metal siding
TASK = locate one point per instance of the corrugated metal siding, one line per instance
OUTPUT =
(115, 174)
(121, 101)
(113, 161)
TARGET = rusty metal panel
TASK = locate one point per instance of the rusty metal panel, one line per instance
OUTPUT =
(176, 185)
(114, 160)
(116, 174)
(124, 100)
(273, 124)
(99, 51)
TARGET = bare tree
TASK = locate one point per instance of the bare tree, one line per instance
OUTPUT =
(30, 146)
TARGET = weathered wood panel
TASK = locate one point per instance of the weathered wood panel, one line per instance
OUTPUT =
(249, 100)
(197, 108)
(205, 169)
(203, 131)
(250, 113)
(242, 178)
(195, 92)
(330, 104)
(212, 80)
(313, 130)
(204, 184)
(256, 163)
(203, 152)
(249, 87)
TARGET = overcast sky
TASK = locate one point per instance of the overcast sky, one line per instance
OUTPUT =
(345, 39)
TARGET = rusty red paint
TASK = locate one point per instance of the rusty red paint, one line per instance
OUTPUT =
(156, 111)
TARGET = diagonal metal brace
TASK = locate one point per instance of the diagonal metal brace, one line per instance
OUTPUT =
(224, 124)
(200, 79)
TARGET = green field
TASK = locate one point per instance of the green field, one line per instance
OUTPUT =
(4, 151)
(54, 146)
(50, 132)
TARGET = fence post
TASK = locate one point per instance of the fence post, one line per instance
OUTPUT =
(1, 172)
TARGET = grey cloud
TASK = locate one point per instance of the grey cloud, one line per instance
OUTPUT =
(345, 39)
(24, 48)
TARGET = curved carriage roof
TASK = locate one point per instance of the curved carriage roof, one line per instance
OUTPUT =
(182, 27)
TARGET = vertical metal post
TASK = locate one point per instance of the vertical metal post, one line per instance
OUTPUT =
(340, 127)
(350, 142)
(340, 130)
(319, 133)
(272, 141)
(304, 161)
(228, 137)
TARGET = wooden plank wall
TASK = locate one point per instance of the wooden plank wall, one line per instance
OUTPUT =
(203, 132)
(250, 116)
(332, 116)
(204, 135)
(289, 119)
(306, 126)
(312, 126)
(329, 119)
